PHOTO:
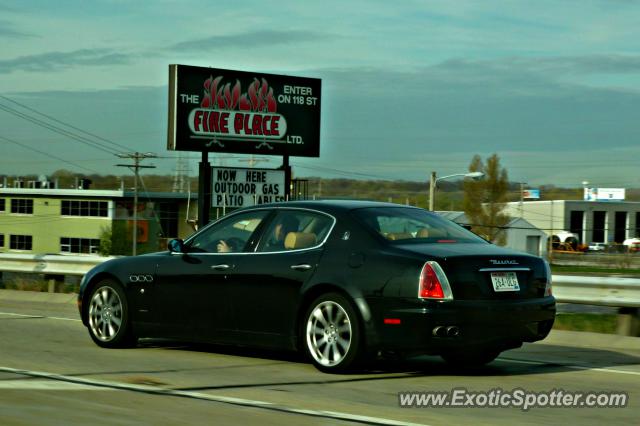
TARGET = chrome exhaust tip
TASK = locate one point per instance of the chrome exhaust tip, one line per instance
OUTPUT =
(453, 331)
(439, 331)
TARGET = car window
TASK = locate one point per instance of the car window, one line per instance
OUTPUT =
(229, 235)
(295, 230)
(414, 225)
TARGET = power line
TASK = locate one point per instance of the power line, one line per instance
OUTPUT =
(65, 124)
(58, 130)
(342, 172)
(47, 154)
(90, 160)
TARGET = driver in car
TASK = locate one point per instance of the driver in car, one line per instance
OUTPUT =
(228, 246)
(285, 225)
(275, 242)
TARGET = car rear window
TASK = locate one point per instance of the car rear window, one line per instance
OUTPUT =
(405, 225)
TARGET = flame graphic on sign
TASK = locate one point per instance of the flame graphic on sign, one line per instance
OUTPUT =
(258, 98)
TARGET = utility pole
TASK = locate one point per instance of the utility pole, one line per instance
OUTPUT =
(136, 157)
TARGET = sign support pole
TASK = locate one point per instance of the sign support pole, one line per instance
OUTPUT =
(287, 177)
(204, 190)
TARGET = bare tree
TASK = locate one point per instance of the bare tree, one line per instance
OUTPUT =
(484, 200)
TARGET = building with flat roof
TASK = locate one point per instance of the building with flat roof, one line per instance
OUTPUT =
(72, 221)
(592, 221)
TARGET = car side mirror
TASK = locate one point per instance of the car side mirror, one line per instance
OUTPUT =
(176, 246)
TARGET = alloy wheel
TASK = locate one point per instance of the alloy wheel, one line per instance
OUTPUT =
(105, 314)
(328, 333)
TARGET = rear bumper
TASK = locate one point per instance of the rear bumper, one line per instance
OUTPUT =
(495, 324)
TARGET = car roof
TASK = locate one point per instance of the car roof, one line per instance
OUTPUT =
(333, 204)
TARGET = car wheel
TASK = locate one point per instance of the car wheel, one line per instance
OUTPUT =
(331, 333)
(108, 316)
(471, 358)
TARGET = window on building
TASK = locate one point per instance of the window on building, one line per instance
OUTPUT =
(599, 227)
(168, 218)
(22, 206)
(2, 204)
(85, 208)
(620, 227)
(575, 225)
(79, 245)
(20, 242)
(638, 224)
(1, 240)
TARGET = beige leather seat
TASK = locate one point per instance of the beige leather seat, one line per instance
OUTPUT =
(399, 236)
(431, 233)
(422, 233)
(299, 240)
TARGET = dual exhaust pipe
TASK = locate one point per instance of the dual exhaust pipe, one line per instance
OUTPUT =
(446, 331)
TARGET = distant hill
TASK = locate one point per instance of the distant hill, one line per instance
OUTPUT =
(449, 195)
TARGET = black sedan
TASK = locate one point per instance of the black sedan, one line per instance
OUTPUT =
(342, 281)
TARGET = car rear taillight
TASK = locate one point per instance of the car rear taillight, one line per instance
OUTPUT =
(433, 283)
(547, 287)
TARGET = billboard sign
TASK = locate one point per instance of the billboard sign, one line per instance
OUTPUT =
(604, 194)
(220, 110)
(233, 187)
(531, 194)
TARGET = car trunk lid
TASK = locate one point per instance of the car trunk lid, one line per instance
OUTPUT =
(495, 274)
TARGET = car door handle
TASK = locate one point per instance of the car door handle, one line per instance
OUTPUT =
(222, 267)
(301, 267)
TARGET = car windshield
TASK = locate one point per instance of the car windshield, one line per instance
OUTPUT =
(403, 225)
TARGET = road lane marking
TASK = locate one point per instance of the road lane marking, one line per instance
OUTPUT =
(43, 385)
(38, 316)
(210, 397)
(573, 367)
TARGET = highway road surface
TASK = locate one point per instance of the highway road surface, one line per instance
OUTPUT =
(51, 373)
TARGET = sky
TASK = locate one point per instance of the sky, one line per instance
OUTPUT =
(410, 87)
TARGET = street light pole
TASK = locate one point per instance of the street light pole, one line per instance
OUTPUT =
(522, 184)
(433, 184)
(432, 191)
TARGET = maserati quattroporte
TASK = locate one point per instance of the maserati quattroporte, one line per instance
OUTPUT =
(341, 281)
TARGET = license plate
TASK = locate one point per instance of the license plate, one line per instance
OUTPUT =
(505, 281)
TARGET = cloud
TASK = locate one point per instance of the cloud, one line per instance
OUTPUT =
(472, 106)
(586, 64)
(252, 39)
(7, 31)
(56, 61)
(510, 77)
(431, 118)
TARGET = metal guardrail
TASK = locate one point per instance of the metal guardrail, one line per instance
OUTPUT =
(50, 264)
(605, 291)
(623, 293)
